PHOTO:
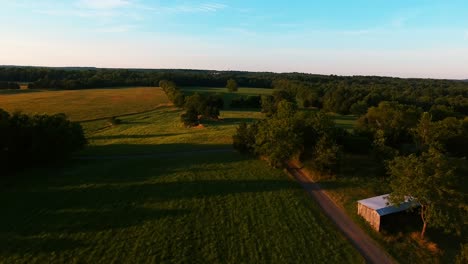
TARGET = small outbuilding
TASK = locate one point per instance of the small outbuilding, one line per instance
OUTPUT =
(373, 209)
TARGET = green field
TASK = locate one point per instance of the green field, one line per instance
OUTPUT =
(81, 105)
(176, 204)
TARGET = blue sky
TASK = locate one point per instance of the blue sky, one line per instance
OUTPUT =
(407, 38)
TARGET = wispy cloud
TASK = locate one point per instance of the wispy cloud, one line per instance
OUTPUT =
(103, 4)
(187, 8)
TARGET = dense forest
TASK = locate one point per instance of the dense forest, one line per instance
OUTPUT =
(340, 94)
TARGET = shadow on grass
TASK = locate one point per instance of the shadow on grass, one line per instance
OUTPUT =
(36, 245)
(88, 196)
(156, 150)
(19, 91)
(134, 136)
(345, 117)
(104, 207)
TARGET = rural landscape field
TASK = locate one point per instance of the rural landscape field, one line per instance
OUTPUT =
(157, 192)
(138, 131)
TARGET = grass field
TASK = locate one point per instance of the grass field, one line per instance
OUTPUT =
(162, 127)
(198, 207)
(82, 105)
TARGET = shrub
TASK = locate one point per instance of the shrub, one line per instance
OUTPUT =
(40, 139)
(114, 121)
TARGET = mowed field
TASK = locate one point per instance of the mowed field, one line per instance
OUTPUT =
(151, 191)
(81, 105)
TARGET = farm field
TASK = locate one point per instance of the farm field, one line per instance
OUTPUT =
(88, 104)
(194, 206)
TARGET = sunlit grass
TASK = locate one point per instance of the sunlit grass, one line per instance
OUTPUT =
(191, 207)
(88, 104)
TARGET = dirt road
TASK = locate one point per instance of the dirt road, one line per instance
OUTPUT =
(363, 243)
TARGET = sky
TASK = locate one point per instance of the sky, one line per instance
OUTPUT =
(403, 38)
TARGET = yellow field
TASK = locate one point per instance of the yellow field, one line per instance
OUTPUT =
(80, 105)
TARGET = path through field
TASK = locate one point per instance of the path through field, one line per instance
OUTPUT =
(363, 243)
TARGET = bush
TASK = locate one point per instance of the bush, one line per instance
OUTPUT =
(9, 85)
(114, 121)
(190, 118)
(246, 102)
(231, 85)
(39, 139)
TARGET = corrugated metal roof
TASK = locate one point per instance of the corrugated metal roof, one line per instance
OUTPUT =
(382, 206)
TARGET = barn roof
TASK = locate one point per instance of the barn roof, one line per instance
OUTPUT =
(382, 206)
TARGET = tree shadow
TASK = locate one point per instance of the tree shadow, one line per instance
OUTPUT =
(18, 91)
(36, 245)
(133, 136)
(158, 150)
(104, 207)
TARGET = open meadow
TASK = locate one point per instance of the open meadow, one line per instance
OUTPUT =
(80, 105)
(151, 191)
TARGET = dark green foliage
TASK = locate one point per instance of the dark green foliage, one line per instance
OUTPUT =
(232, 85)
(39, 139)
(246, 102)
(429, 180)
(9, 85)
(440, 112)
(359, 108)
(287, 134)
(205, 106)
(195, 105)
(173, 93)
(450, 135)
(244, 139)
(326, 156)
(190, 118)
(462, 256)
(338, 94)
(114, 121)
(270, 102)
(393, 119)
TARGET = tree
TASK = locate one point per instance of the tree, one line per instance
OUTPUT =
(244, 139)
(231, 85)
(447, 134)
(278, 138)
(190, 118)
(326, 156)
(394, 119)
(428, 180)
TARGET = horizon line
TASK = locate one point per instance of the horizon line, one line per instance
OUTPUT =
(192, 69)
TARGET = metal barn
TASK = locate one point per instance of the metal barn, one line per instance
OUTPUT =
(373, 209)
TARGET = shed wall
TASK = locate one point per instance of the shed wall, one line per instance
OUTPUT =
(370, 215)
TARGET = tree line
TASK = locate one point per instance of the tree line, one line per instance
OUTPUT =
(196, 106)
(9, 85)
(27, 140)
(339, 94)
